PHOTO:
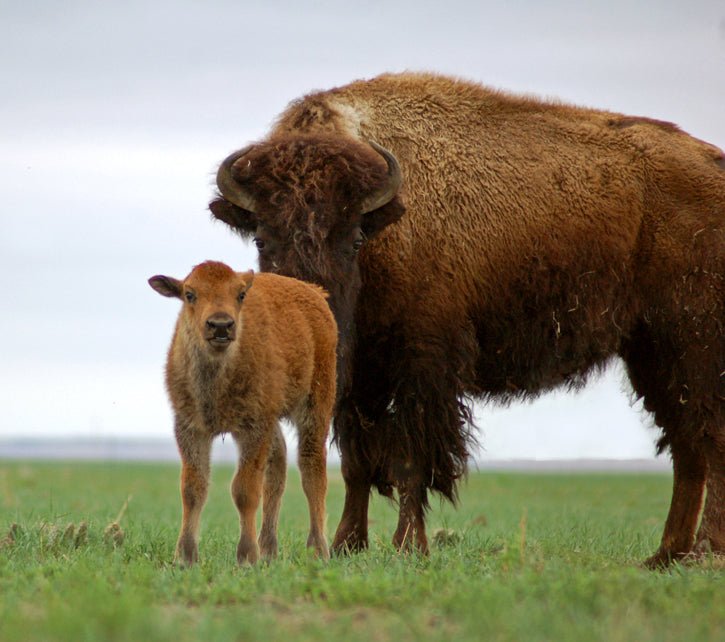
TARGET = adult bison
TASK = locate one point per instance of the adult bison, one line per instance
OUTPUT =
(481, 245)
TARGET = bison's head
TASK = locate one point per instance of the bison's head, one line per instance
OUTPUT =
(310, 203)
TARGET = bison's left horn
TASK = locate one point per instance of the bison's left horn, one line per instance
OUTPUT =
(388, 192)
(231, 189)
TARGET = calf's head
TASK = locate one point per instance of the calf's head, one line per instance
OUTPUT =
(212, 295)
(311, 202)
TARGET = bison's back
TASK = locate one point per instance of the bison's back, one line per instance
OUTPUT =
(514, 171)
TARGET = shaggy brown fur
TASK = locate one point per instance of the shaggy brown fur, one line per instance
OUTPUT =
(539, 240)
(238, 368)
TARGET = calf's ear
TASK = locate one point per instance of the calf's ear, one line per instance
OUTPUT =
(167, 286)
(247, 278)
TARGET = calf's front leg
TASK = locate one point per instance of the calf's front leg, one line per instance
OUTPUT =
(253, 443)
(195, 456)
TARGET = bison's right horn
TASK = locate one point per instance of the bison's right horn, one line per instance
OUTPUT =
(232, 189)
(388, 192)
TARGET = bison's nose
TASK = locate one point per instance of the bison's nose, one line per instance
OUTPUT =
(220, 329)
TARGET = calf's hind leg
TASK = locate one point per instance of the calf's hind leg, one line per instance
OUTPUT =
(312, 459)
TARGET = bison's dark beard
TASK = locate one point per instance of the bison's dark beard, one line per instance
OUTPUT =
(420, 426)
(342, 303)
(311, 263)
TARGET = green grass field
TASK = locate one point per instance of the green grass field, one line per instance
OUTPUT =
(525, 557)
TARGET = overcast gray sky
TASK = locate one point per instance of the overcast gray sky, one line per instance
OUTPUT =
(114, 117)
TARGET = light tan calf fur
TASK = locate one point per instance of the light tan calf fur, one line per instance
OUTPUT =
(249, 350)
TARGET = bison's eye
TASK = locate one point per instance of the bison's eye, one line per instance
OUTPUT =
(241, 295)
(260, 243)
(358, 240)
(190, 296)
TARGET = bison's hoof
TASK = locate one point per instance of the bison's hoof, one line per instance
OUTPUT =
(662, 559)
(345, 546)
(411, 542)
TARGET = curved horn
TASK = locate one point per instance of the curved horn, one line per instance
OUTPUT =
(230, 188)
(388, 192)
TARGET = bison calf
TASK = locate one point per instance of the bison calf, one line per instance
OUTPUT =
(247, 351)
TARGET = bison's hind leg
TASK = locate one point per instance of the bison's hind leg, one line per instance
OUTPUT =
(674, 364)
(676, 361)
(711, 534)
(687, 492)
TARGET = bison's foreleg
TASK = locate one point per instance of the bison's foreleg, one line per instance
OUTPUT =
(195, 454)
(275, 477)
(687, 493)
(410, 533)
(253, 443)
(430, 420)
(352, 532)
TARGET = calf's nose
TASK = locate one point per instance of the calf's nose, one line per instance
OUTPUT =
(220, 326)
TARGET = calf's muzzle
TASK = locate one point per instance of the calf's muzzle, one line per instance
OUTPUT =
(219, 329)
